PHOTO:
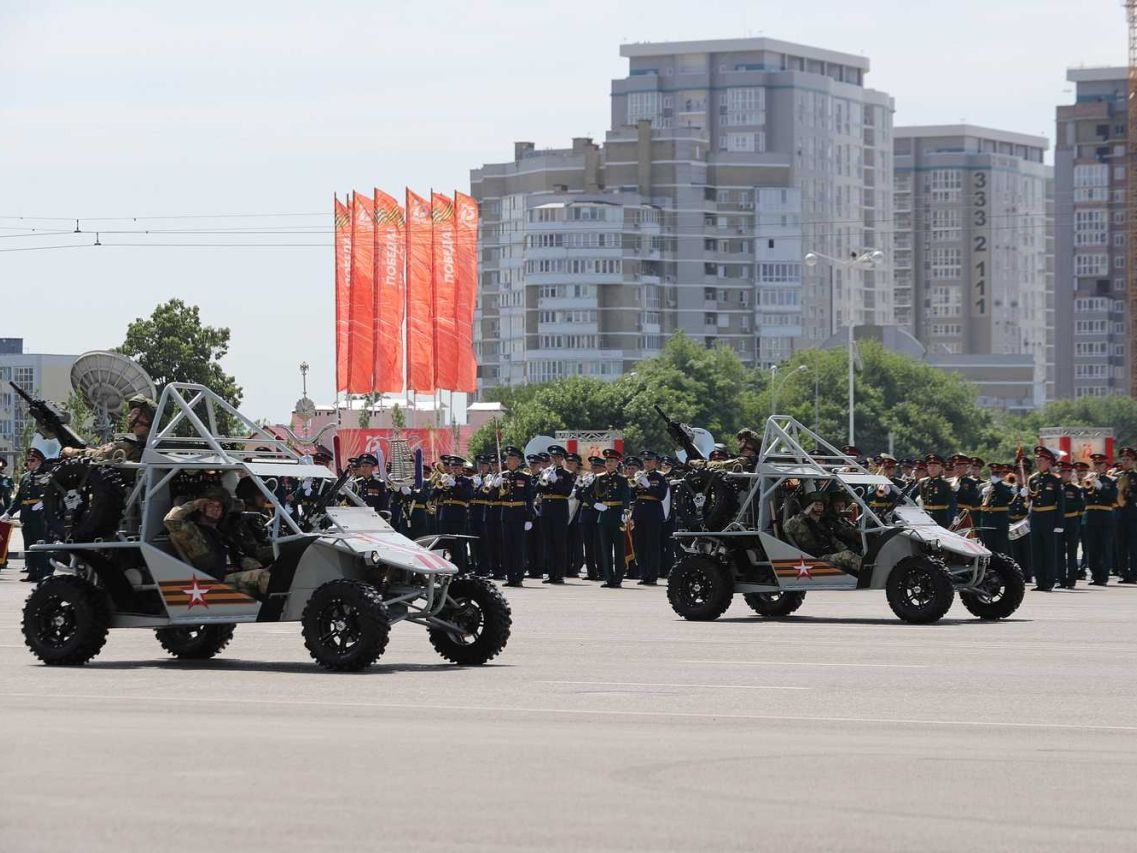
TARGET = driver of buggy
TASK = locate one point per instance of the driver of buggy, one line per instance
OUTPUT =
(809, 531)
(197, 532)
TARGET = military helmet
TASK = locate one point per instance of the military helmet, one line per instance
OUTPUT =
(140, 401)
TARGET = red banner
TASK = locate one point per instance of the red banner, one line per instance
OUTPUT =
(445, 292)
(466, 242)
(391, 290)
(420, 296)
(433, 442)
(361, 341)
(343, 290)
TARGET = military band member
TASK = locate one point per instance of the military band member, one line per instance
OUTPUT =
(28, 503)
(588, 517)
(516, 495)
(575, 546)
(613, 497)
(478, 503)
(936, 495)
(1047, 511)
(369, 486)
(1101, 509)
(966, 487)
(495, 550)
(452, 503)
(994, 508)
(534, 543)
(554, 485)
(1126, 530)
(1074, 501)
(649, 489)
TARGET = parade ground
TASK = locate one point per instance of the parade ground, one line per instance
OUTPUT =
(607, 724)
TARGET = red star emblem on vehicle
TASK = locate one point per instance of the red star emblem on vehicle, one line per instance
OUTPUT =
(804, 570)
(196, 595)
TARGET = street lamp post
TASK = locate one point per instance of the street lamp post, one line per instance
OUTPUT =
(866, 260)
(778, 387)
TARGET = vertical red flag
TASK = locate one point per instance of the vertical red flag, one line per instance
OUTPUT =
(420, 296)
(361, 338)
(466, 240)
(445, 292)
(390, 291)
(343, 290)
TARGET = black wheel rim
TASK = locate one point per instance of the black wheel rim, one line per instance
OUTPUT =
(919, 588)
(696, 586)
(993, 584)
(468, 618)
(771, 597)
(57, 622)
(338, 626)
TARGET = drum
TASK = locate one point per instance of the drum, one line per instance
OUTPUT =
(1019, 529)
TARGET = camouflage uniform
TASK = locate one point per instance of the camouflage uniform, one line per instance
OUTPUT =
(205, 547)
(129, 446)
(812, 537)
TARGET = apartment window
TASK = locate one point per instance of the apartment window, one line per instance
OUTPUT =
(1090, 227)
(742, 142)
(1119, 284)
(1089, 327)
(1091, 371)
(710, 319)
(1090, 349)
(777, 273)
(946, 263)
(1091, 265)
(743, 106)
(945, 330)
(25, 377)
(1091, 175)
(1091, 305)
(946, 185)
(643, 105)
(1119, 262)
(947, 226)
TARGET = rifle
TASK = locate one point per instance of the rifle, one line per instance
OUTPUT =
(51, 422)
(680, 436)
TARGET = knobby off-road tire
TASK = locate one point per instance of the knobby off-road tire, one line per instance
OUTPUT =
(721, 505)
(920, 590)
(699, 588)
(66, 621)
(194, 642)
(774, 603)
(83, 502)
(1004, 587)
(345, 625)
(482, 612)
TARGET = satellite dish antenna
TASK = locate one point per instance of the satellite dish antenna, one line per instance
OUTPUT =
(539, 444)
(105, 381)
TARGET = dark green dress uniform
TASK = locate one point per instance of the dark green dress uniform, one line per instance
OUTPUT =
(613, 494)
(478, 503)
(28, 503)
(938, 499)
(1074, 499)
(587, 520)
(1020, 548)
(1047, 515)
(994, 510)
(516, 494)
(1126, 529)
(419, 521)
(1101, 509)
(555, 489)
(647, 524)
(967, 497)
(494, 548)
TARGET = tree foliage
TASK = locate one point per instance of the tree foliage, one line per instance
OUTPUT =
(172, 345)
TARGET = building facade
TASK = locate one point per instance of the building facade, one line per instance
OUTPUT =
(47, 376)
(725, 162)
(970, 245)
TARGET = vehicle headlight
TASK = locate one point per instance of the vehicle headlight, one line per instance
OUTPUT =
(375, 557)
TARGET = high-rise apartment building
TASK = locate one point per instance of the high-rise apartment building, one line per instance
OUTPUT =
(970, 244)
(726, 161)
(44, 375)
(1090, 236)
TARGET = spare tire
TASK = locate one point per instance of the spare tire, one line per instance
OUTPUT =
(721, 505)
(83, 502)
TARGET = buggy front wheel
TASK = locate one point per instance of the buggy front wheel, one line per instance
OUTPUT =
(479, 621)
(699, 588)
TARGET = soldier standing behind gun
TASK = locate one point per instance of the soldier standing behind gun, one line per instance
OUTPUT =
(612, 498)
(28, 501)
(994, 507)
(588, 517)
(649, 488)
(555, 485)
(516, 494)
(1101, 507)
(139, 418)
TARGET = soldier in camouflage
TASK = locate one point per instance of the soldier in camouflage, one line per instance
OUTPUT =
(194, 528)
(128, 447)
(808, 531)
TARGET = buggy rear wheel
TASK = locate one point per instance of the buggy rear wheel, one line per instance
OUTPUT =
(345, 625)
(699, 588)
(774, 603)
(483, 620)
(1001, 592)
(194, 642)
(66, 621)
(920, 590)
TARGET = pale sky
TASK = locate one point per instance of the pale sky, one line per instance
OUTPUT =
(153, 109)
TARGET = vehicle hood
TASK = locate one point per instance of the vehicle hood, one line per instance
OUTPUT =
(360, 530)
(947, 540)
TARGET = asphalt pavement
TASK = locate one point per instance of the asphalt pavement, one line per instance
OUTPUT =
(606, 724)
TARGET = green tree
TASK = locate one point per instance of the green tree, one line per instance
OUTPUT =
(1116, 412)
(172, 345)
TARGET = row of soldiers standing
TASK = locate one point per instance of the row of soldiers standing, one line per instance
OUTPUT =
(551, 518)
(1080, 515)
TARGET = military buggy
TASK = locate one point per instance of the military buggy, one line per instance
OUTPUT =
(739, 545)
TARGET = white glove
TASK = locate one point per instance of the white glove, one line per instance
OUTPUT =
(477, 481)
(986, 490)
(548, 475)
(599, 507)
(5, 517)
(1098, 485)
(306, 485)
(37, 506)
(448, 480)
(499, 480)
(1024, 492)
(588, 478)
(641, 479)
(528, 526)
(406, 490)
(1059, 530)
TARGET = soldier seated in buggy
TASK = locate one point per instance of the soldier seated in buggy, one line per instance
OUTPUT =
(811, 532)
